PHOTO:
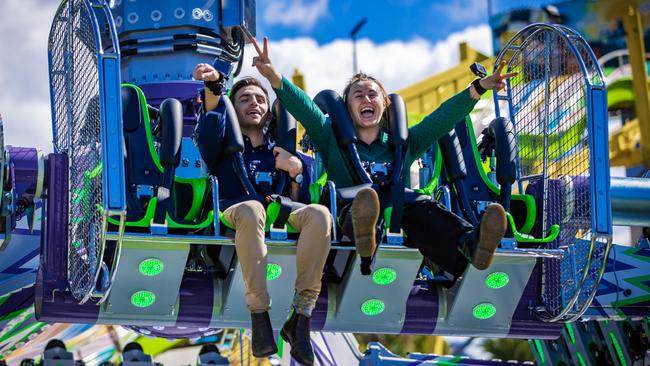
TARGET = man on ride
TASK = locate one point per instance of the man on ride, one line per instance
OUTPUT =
(441, 236)
(251, 103)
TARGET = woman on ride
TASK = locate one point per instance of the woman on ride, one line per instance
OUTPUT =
(443, 237)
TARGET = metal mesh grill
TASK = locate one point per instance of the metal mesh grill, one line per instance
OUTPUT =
(549, 108)
(74, 81)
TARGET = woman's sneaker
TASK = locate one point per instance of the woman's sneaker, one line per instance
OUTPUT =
(365, 212)
(491, 230)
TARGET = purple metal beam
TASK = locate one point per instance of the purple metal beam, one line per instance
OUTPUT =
(25, 162)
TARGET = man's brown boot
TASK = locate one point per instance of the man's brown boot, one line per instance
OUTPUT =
(262, 340)
(296, 332)
(365, 212)
(492, 229)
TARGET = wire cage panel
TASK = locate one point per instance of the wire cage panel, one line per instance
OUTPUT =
(551, 104)
(85, 112)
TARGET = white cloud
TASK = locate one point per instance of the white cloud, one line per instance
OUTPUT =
(24, 80)
(300, 13)
(397, 63)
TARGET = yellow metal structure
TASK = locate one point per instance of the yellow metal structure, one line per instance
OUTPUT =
(623, 149)
(298, 79)
(624, 146)
(425, 96)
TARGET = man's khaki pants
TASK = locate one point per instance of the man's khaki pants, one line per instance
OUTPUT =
(312, 221)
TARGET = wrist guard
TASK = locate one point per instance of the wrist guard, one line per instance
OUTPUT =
(477, 86)
(216, 87)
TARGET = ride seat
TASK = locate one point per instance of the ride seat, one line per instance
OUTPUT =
(150, 164)
(463, 165)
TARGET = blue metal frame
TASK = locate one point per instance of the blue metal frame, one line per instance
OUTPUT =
(599, 175)
(108, 64)
(52, 102)
(236, 13)
(547, 92)
(601, 219)
(161, 41)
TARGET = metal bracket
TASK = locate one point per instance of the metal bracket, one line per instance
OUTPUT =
(7, 206)
(376, 168)
(264, 177)
(482, 206)
(158, 229)
(278, 234)
(215, 204)
(102, 294)
(508, 243)
(143, 190)
(395, 238)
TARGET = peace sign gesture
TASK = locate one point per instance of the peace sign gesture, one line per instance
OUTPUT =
(496, 80)
(262, 61)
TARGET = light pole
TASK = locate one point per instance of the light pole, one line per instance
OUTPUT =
(353, 35)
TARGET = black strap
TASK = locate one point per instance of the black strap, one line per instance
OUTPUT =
(397, 188)
(286, 207)
(163, 195)
(241, 172)
(353, 156)
(397, 193)
(283, 215)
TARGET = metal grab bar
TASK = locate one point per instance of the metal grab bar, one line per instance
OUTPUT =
(102, 294)
(569, 304)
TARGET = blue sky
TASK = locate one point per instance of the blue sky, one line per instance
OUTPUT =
(388, 20)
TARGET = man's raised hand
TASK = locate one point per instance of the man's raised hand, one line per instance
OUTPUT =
(205, 72)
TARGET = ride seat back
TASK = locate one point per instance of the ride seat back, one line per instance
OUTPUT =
(141, 171)
(474, 189)
(147, 169)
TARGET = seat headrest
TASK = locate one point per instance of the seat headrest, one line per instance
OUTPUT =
(503, 132)
(397, 121)
(285, 127)
(132, 116)
(331, 103)
(233, 140)
(171, 122)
